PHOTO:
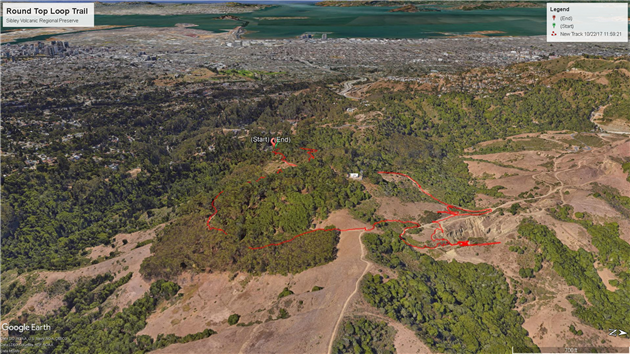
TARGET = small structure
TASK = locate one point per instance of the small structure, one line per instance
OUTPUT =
(356, 176)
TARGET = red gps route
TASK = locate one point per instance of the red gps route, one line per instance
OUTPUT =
(451, 211)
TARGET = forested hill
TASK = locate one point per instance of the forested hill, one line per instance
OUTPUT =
(271, 210)
(454, 307)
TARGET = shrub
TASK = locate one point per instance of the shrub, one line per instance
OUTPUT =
(283, 314)
(285, 292)
(526, 272)
(233, 319)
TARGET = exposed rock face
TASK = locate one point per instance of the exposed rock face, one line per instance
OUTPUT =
(486, 228)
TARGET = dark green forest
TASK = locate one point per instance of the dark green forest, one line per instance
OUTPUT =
(81, 325)
(11, 293)
(365, 336)
(453, 307)
(605, 309)
(271, 210)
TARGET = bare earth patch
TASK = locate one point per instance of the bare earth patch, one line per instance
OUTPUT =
(120, 246)
(583, 201)
(514, 185)
(548, 321)
(606, 276)
(128, 261)
(406, 341)
(479, 169)
(572, 235)
(393, 208)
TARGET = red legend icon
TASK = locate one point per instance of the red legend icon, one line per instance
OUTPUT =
(553, 33)
(554, 17)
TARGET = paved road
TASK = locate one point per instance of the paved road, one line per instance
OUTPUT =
(347, 86)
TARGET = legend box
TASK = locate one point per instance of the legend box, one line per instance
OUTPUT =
(587, 22)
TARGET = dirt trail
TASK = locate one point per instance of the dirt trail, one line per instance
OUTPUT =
(356, 289)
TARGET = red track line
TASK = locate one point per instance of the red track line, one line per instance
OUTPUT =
(276, 152)
(213, 214)
(259, 178)
(284, 158)
(451, 210)
(309, 152)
